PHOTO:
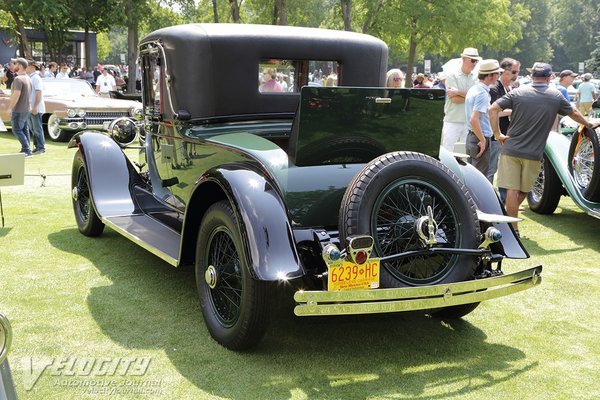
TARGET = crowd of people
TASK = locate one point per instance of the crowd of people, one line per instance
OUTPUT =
(504, 125)
(61, 71)
(26, 105)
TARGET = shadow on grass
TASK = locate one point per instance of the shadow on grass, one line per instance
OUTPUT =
(4, 231)
(580, 228)
(152, 305)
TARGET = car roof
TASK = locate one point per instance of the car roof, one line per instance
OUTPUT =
(213, 68)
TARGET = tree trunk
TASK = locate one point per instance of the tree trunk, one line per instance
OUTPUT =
(282, 12)
(235, 11)
(132, 42)
(88, 53)
(23, 43)
(412, 51)
(215, 12)
(347, 14)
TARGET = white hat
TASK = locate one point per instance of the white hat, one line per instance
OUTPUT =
(470, 52)
(487, 67)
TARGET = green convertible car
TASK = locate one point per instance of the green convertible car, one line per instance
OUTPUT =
(258, 173)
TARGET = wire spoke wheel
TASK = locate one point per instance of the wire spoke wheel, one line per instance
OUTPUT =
(87, 220)
(226, 295)
(583, 162)
(395, 215)
(235, 306)
(584, 154)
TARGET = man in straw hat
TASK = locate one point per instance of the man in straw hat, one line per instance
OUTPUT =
(477, 103)
(457, 84)
(534, 108)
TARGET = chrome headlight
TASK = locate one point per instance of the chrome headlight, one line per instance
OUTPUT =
(71, 113)
(136, 113)
(5, 337)
(123, 131)
(80, 112)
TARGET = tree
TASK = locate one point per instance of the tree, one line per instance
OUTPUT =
(279, 13)
(16, 10)
(94, 15)
(441, 27)
(576, 23)
(347, 14)
(593, 64)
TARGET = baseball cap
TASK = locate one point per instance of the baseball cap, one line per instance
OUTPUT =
(567, 72)
(540, 69)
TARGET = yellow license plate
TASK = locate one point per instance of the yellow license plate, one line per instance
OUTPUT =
(345, 275)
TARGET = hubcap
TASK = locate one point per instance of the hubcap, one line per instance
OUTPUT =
(211, 277)
(74, 193)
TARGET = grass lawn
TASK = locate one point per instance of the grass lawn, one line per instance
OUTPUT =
(74, 301)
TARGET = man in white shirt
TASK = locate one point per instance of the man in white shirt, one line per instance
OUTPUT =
(105, 83)
(458, 84)
(64, 72)
(34, 121)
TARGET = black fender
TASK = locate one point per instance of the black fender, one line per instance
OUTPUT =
(261, 215)
(486, 200)
(109, 174)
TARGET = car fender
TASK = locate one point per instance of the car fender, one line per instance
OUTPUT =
(486, 200)
(108, 173)
(261, 215)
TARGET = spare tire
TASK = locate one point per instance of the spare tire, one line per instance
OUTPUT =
(386, 199)
(584, 162)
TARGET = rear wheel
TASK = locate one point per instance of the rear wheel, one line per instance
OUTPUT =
(235, 307)
(584, 158)
(396, 199)
(88, 222)
(547, 190)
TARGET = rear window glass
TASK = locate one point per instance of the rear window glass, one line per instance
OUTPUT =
(288, 76)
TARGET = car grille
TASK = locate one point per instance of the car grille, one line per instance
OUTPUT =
(99, 117)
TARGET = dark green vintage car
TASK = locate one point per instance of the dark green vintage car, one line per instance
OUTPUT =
(260, 174)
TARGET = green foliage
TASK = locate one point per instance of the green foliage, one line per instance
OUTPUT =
(104, 47)
(115, 44)
(575, 22)
(593, 64)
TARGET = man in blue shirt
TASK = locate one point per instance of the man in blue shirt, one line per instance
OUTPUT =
(477, 103)
(565, 79)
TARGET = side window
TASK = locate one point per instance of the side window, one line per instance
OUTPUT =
(152, 79)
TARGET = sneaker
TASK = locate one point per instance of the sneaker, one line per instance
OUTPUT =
(38, 151)
(27, 155)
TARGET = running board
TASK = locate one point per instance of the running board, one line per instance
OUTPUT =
(148, 233)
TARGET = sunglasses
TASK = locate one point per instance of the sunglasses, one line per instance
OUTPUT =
(512, 72)
(474, 61)
(397, 79)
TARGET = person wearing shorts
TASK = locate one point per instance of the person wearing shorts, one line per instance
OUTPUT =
(534, 109)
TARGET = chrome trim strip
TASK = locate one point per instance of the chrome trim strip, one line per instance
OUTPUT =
(414, 298)
(141, 243)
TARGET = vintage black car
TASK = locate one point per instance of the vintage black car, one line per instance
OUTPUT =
(341, 192)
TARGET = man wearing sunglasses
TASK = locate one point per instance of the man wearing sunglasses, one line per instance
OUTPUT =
(458, 84)
(510, 73)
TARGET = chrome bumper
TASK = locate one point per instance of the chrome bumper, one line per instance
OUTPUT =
(373, 301)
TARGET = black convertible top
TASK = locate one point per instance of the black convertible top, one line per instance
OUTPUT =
(213, 68)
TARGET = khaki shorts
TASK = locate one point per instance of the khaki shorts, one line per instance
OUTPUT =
(517, 173)
(585, 108)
